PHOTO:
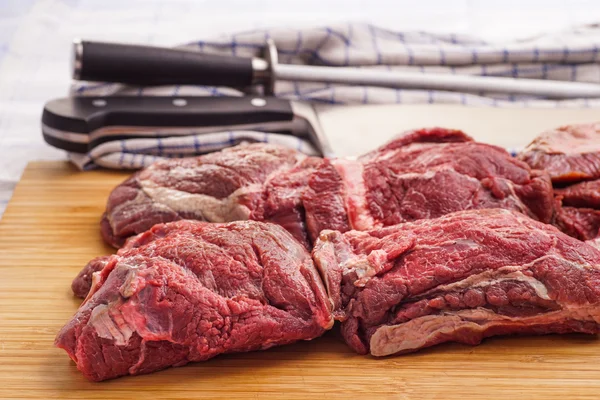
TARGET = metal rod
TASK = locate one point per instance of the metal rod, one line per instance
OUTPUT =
(410, 80)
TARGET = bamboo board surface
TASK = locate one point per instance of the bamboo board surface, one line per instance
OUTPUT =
(50, 230)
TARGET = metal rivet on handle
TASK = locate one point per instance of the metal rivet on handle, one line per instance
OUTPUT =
(99, 102)
(258, 102)
(180, 102)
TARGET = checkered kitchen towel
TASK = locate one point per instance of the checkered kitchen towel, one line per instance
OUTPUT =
(567, 56)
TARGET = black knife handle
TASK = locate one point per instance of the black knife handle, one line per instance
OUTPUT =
(146, 65)
(76, 123)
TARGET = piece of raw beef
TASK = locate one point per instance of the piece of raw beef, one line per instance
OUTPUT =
(578, 209)
(421, 174)
(82, 283)
(257, 181)
(570, 153)
(461, 277)
(188, 290)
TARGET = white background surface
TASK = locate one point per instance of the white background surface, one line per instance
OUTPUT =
(35, 37)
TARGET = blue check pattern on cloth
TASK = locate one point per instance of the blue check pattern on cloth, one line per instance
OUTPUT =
(565, 56)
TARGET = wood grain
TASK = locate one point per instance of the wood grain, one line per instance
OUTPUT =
(50, 230)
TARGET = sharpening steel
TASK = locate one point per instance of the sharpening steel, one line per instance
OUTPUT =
(146, 65)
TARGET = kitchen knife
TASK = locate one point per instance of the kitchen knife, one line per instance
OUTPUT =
(145, 65)
(78, 124)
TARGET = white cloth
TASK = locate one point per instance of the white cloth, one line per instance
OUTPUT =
(567, 56)
(139, 153)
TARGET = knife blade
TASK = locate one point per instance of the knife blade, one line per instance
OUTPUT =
(78, 124)
(146, 65)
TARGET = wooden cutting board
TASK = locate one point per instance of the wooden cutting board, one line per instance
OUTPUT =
(50, 230)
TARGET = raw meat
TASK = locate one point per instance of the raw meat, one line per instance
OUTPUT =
(584, 194)
(188, 291)
(461, 277)
(578, 209)
(570, 153)
(425, 135)
(256, 181)
(82, 283)
(422, 174)
(581, 223)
